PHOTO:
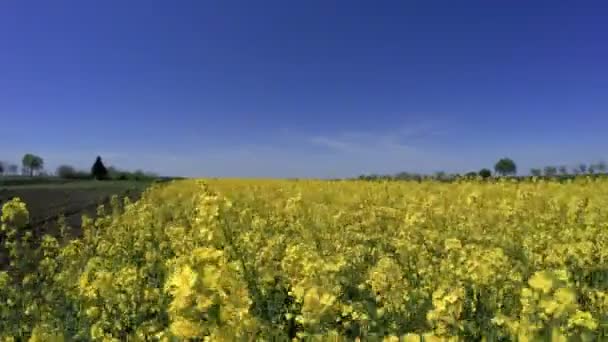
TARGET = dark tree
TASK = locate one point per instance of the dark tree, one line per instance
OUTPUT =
(582, 168)
(485, 173)
(563, 170)
(505, 167)
(66, 172)
(550, 171)
(1, 168)
(98, 170)
(402, 176)
(536, 172)
(471, 174)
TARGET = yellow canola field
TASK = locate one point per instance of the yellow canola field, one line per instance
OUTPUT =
(232, 260)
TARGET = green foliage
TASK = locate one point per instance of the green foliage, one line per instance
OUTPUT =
(69, 172)
(485, 173)
(536, 172)
(550, 171)
(138, 175)
(471, 174)
(32, 163)
(505, 167)
(65, 171)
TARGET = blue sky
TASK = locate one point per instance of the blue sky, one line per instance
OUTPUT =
(303, 89)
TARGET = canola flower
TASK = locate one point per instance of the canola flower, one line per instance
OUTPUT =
(243, 260)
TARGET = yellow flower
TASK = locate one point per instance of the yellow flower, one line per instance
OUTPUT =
(185, 329)
(542, 280)
(583, 319)
(14, 212)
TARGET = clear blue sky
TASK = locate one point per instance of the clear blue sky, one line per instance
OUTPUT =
(304, 88)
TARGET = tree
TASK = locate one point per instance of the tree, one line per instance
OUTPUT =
(98, 170)
(66, 171)
(563, 170)
(1, 169)
(113, 173)
(505, 166)
(601, 167)
(582, 168)
(471, 175)
(550, 171)
(32, 163)
(440, 175)
(536, 172)
(485, 173)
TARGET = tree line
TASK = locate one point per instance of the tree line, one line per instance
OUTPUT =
(504, 167)
(33, 165)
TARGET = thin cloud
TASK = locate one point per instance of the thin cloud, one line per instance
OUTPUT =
(401, 139)
(334, 144)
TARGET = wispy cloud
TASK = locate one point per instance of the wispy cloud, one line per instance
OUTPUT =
(404, 138)
(407, 147)
(335, 144)
(293, 154)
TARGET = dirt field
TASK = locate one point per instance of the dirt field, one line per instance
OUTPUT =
(46, 202)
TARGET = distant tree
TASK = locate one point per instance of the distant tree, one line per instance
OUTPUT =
(536, 172)
(1, 169)
(142, 175)
(505, 166)
(471, 174)
(440, 175)
(99, 171)
(66, 171)
(113, 173)
(582, 168)
(401, 176)
(601, 167)
(550, 171)
(32, 163)
(485, 173)
(150, 174)
(563, 170)
(12, 169)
